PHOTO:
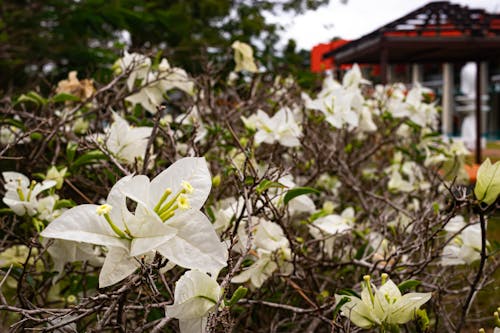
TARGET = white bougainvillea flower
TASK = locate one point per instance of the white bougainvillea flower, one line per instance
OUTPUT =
(195, 296)
(243, 57)
(327, 226)
(126, 142)
(385, 306)
(270, 251)
(465, 247)
(353, 78)
(280, 128)
(341, 104)
(58, 175)
(156, 83)
(167, 219)
(63, 251)
(138, 65)
(21, 193)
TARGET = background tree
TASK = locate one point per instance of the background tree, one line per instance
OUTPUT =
(48, 38)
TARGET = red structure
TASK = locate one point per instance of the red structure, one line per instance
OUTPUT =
(318, 62)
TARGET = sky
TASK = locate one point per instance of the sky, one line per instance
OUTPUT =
(355, 18)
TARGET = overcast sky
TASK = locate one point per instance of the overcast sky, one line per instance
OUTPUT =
(356, 18)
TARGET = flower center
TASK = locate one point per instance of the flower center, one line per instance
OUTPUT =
(167, 205)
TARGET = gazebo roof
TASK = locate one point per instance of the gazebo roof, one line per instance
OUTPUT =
(437, 32)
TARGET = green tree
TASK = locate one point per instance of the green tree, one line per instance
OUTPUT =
(40, 38)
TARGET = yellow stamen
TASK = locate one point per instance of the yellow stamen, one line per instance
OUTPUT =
(164, 197)
(183, 202)
(384, 277)
(32, 185)
(187, 187)
(104, 211)
(369, 287)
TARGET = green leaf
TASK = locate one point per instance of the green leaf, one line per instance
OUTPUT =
(63, 97)
(297, 191)
(64, 203)
(237, 295)
(71, 151)
(407, 285)
(339, 305)
(267, 184)
(88, 157)
(349, 292)
(487, 186)
(32, 97)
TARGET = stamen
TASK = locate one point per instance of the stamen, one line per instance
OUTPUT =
(104, 211)
(32, 186)
(19, 189)
(369, 287)
(384, 277)
(183, 202)
(187, 187)
(164, 197)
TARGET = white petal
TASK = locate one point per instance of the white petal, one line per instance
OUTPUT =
(195, 294)
(196, 245)
(117, 266)
(191, 169)
(82, 224)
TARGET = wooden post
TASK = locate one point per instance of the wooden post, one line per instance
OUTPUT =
(478, 112)
(448, 101)
(384, 58)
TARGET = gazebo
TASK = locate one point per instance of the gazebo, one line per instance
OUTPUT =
(439, 32)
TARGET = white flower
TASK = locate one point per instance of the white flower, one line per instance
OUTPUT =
(243, 57)
(280, 128)
(57, 175)
(167, 219)
(195, 296)
(138, 65)
(156, 83)
(341, 104)
(385, 306)
(63, 251)
(327, 226)
(271, 250)
(21, 194)
(127, 143)
(465, 247)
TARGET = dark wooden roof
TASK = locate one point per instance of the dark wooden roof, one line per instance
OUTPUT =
(437, 32)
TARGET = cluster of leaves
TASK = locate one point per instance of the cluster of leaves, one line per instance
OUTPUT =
(310, 195)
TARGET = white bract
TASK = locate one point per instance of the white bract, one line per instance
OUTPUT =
(167, 219)
(271, 251)
(195, 296)
(342, 104)
(382, 307)
(330, 225)
(21, 193)
(126, 142)
(281, 128)
(154, 84)
(465, 247)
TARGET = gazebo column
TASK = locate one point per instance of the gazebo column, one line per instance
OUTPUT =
(417, 74)
(484, 92)
(448, 100)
